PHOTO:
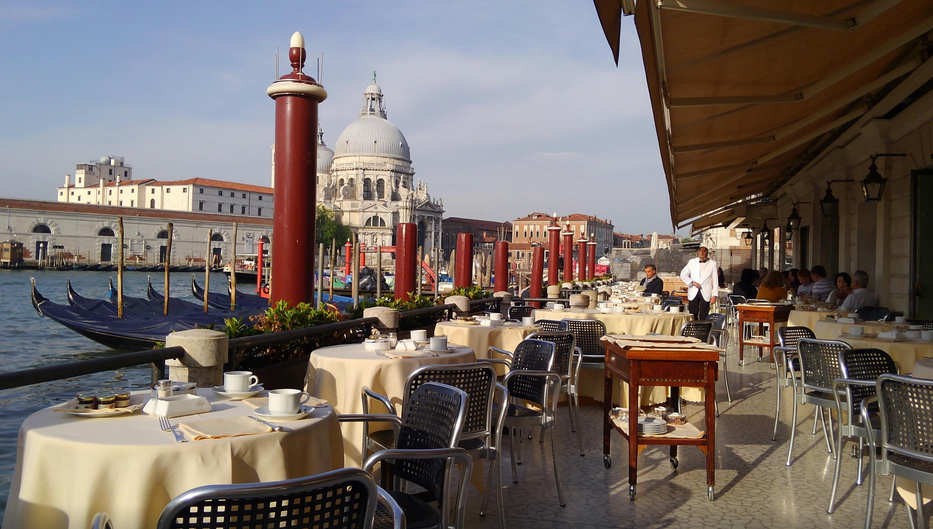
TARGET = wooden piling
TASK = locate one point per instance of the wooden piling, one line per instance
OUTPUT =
(207, 268)
(168, 266)
(233, 271)
(120, 269)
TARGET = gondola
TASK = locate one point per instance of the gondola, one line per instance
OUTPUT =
(133, 308)
(222, 301)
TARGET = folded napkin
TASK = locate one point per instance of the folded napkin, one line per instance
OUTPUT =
(223, 428)
(406, 345)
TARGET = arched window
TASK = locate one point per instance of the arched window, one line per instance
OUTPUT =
(340, 183)
(162, 234)
(367, 189)
(381, 189)
(350, 182)
(42, 228)
(217, 237)
(151, 203)
(105, 232)
(375, 220)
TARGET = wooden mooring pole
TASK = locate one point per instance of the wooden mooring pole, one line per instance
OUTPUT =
(207, 268)
(120, 270)
(168, 266)
(233, 271)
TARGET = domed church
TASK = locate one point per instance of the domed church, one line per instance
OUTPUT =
(369, 183)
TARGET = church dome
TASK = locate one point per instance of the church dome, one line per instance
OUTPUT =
(373, 134)
(325, 156)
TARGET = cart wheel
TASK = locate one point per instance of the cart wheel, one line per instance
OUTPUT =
(674, 463)
(607, 461)
(759, 359)
(772, 366)
(631, 492)
(740, 363)
(711, 492)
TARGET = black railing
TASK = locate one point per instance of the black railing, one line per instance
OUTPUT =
(277, 338)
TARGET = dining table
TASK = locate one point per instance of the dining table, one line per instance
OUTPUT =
(337, 374)
(629, 322)
(480, 338)
(68, 467)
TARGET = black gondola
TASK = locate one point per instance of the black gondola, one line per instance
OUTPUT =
(133, 308)
(222, 301)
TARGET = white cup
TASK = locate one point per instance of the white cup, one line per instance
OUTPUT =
(239, 381)
(438, 343)
(419, 335)
(926, 335)
(900, 319)
(674, 308)
(495, 316)
(856, 330)
(528, 321)
(286, 401)
(485, 323)
(558, 306)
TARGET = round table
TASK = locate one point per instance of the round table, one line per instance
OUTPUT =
(906, 353)
(805, 318)
(337, 374)
(69, 468)
(623, 323)
(830, 330)
(481, 337)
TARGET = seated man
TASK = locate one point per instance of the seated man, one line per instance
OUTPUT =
(746, 285)
(805, 289)
(822, 286)
(652, 283)
(860, 296)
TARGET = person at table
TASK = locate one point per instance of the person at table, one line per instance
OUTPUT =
(822, 286)
(761, 276)
(652, 283)
(843, 289)
(805, 290)
(746, 285)
(772, 287)
(702, 279)
(860, 296)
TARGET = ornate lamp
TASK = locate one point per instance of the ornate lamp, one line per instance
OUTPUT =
(765, 232)
(830, 204)
(873, 184)
(748, 238)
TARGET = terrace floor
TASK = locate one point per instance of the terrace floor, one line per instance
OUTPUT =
(754, 488)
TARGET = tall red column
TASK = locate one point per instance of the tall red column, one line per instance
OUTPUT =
(581, 259)
(568, 255)
(553, 268)
(502, 266)
(348, 257)
(296, 98)
(362, 254)
(537, 274)
(591, 259)
(406, 257)
(463, 273)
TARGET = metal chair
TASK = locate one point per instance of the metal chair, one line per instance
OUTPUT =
(552, 325)
(720, 338)
(342, 499)
(718, 319)
(482, 432)
(588, 336)
(672, 301)
(860, 370)
(517, 312)
(873, 313)
(819, 369)
(428, 433)
(697, 329)
(906, 407)
(564, 366)
(785, 355)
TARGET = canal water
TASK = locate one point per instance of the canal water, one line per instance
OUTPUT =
(28, 340)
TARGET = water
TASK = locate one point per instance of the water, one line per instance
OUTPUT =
(28, 340)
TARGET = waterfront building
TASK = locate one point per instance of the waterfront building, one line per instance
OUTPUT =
(531, 230)
(485, 233)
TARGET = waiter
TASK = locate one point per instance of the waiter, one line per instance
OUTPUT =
(701, 275)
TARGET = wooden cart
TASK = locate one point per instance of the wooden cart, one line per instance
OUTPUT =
(761, 314)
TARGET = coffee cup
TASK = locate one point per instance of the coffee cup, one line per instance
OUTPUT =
(528, 321)
(286, 401)
(900, 319)
(239, 381)
(674, 308)
(495, 316)
(558, 306)
(856, 330)
(419, 335)
(438, 343)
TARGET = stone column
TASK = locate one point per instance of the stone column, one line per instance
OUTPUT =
(203, 362)
(388, 318)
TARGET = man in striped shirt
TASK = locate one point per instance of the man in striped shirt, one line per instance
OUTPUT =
(822, 286)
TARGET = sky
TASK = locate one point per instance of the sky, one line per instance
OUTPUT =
(509, 107)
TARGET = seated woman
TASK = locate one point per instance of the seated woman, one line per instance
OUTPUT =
(772, 287)
(746, 285)
(843, 289)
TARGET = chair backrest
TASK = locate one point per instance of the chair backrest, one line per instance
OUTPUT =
(736, 299)
(873, 313)
(671, 302)
(927, 325)
(906, 416)
(789, 336)
(477, 380)
(346, 498)
(432, 417)
(718, 319)
(588, 335)
(697, 329)
(864, 364)
(531, 355)
(563, 349)
(819, 362)
(518, 312)
(552, 325)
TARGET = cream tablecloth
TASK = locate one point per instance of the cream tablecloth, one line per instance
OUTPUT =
(830, 330)
(805, 318)
(620, 323)
(337, 373)
(480, 337)
(905, 353)
(69, 468)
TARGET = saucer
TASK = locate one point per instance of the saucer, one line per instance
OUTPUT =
(237, 395)
(447, 350)
(263, 412)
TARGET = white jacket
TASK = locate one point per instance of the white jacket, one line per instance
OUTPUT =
(706, 274)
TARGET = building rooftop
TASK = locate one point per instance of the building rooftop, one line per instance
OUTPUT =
(221, 184)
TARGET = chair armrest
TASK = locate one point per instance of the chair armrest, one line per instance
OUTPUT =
(101, 520)
(459, 455)
(578, 354)
(503, 352)
(553, 377)
(398, 516)
(370, 417)
(366, 392)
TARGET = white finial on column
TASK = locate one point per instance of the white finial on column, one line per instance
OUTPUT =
(298, 41)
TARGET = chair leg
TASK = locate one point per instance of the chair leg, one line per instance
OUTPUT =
(818, 416)
(870, 507)
(777, 399)
(828, 434)
(861, 445)
(793, 430)
(725, 378)
(560, 491)
(518, 454)
(512, 454)
(893, 488)
(921, 523)
(541, 437)
(716, 405)
(495, 473)
(576, 405)
(571, 411)
(500, 501)
(832, 495)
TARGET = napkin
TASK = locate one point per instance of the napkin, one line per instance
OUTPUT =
(407, 354)
(223, 428)
(406, 345)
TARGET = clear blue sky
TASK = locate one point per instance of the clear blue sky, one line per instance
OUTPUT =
(509, 107)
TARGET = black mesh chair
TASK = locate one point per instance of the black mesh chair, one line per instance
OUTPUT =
(342, 499)
(819, 369)
(428, 433)
(482, 431)
(588, 335)
(927, 325)
(873, 313)
(697, 329)
(518, 312)
(565, 351)
(786, 365)
(552, 325)
(720, 338)
(718, 319)
(860, 370)
(906, 407)
(533, 381)
(672, 301)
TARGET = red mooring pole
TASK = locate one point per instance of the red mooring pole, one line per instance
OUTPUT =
(362, 254)
(348, 257)
(463, 274)
(591, 260)
(537, 274)
(259, 269)
(502, 266)
(581, 259)
(406, 258)
(553, 269)
(296, 98)
(568, 254)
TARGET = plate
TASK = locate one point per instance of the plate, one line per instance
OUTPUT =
(71, 408)
(447, 350)
(264, 413)
(237, 395)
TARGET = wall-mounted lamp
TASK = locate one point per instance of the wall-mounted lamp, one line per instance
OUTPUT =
(873, 184)
(765, 232)
(830, 204)
(748, 238)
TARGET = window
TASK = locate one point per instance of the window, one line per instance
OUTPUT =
(260, 197)
(217, 237)
(220, 192)
(79, 198)
(200, 205)
(231, 208)
(121, 202)
(108, 202)
(60, 193)
(41, 228)
(133, 190)
(244, 195)
(242, 210)
(151, 203)
(125, 173)
(380, 189)
(111, 172)
(220, 208)
(105, 232)
(152, 191)
(72, 193)
(232, 194)
(184, 190)
(121, 192)
(132, 203)
(89, 192)
(259, 211)
(201, 191)
(163, 234)
(367, 189)
(168, 189)
(110, 192)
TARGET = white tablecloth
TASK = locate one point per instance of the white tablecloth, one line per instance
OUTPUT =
(69, 468)
(337, 373)
(620, 323)
(480, 337)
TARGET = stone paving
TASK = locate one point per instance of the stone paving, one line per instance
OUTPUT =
(754, 488)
